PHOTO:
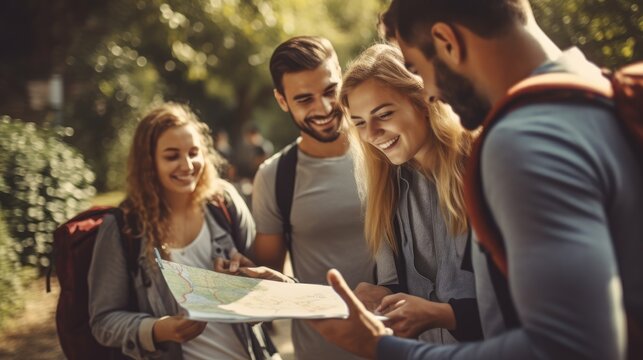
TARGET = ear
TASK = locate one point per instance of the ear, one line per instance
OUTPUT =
(281, 100)
(447, 43)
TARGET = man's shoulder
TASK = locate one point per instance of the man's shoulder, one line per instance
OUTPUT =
(540, 137)
(269, 166)
(546, 121)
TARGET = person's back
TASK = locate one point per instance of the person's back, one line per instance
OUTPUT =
(327, 231)
(549, 168)
(562, 184)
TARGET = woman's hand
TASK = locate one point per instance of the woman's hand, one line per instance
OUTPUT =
(177, 329)
(410, 315)
(266, 273)
(232, 266)
(371, 295)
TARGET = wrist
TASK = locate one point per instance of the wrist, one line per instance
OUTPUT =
(157, 331)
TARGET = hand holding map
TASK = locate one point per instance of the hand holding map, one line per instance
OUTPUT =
(210, 296)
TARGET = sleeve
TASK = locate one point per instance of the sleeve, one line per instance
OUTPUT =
(542, 186)
(467, 319)
(247, 228)
(264, 201)
(109, 286)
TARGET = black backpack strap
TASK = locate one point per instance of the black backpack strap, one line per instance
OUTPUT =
(225, 214)
(262, 344)
(501, 289)
(131, 249)
(467, 263)
(285, 188)
(131, 246)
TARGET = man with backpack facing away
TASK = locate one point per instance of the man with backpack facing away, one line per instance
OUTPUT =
(555, 195)
(314, 178)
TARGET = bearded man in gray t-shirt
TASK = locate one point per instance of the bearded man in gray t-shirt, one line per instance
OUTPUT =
(327, 228)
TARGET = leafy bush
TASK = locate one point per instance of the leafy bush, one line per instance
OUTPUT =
(10, 283)
(43, 182)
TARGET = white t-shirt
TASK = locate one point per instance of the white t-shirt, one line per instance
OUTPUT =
(218, 340)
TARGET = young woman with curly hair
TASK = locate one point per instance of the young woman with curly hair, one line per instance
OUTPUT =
(171, 175)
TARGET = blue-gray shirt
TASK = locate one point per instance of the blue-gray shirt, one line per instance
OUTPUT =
(565, 190)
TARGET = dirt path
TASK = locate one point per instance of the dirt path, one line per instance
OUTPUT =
(32, 334)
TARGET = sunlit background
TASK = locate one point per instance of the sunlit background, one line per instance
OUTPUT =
(76, 74)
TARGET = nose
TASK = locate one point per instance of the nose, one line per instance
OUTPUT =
(327, 104)
(430, 93)
(373, 131)
(186, 164)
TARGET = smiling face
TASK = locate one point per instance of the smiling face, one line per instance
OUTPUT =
(310, 96)
(179, 160)
(387, 119)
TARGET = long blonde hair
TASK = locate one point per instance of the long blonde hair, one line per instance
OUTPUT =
(145, 208)
(377, 177)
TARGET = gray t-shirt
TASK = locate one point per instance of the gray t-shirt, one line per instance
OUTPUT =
(327, 232)
(565, 190)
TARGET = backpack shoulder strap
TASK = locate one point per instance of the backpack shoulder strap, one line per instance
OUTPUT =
(285, 187)
(131, 247)
(550, 87)
(225, 214)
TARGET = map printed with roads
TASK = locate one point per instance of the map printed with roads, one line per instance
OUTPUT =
(210, 296)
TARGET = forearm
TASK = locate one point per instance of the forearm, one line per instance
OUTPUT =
(511, 345)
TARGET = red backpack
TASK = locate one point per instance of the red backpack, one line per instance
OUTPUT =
(625, 92)
(73, 248)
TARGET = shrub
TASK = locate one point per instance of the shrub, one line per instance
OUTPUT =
(11, 299)
(43, 182)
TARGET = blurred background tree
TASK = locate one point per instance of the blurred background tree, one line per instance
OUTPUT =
(117, 58)
(610, 32)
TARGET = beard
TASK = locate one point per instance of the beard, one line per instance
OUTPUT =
(326, 136)
(459, 92)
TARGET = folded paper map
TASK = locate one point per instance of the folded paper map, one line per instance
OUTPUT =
(210, 296)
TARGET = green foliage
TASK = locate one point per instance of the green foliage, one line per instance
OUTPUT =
(44, 182)
(11, 285)
(212, 54)
(610, 32)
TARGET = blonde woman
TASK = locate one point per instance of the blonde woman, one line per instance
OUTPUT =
(409, 158)
(171, 176)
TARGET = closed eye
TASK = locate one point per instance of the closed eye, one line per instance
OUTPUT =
(385, 115)
(194, 152)
(304, 100)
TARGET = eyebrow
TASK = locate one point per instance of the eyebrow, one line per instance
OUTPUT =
(305, 95)
(376, 109)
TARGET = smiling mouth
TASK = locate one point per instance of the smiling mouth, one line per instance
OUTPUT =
(321, 122)
(183, 178)
(387, 144)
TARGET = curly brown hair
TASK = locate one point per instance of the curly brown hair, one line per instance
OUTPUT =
(144, 207)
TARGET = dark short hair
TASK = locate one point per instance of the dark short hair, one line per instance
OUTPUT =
(411, 19)
(298, 54)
